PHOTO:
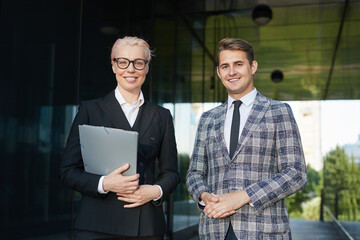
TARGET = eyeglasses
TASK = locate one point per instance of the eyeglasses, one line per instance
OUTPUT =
(123, 63)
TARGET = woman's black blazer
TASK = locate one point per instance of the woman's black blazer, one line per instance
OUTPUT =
(156, 163)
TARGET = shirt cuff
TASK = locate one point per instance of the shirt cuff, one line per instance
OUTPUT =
(161, 193)
(201, 205)
(100, 186)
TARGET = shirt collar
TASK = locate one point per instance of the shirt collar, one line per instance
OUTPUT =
(122, 101)
(247, 100)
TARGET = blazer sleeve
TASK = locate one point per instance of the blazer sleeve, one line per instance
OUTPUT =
(168, 177)
(291, 165)
(72, 172)
(196, 178)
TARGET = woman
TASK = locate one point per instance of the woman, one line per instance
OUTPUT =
(116, 206)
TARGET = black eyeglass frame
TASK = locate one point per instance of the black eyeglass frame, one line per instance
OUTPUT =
(133, 62)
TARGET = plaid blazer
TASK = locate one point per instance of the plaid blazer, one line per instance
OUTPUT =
(268, 163)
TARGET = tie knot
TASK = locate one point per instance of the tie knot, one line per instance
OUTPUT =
(237, 103)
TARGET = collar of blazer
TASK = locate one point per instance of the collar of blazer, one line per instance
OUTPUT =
(117, 117)
(258, 110)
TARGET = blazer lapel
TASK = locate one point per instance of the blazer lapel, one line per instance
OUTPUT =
(219, 120)
(114, 112)
(117, 117)
(145, 116)
(259, 108)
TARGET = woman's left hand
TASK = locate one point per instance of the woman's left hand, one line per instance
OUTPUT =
(144, 194)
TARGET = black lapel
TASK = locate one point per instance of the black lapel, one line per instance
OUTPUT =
(144, 118)
(114, 112)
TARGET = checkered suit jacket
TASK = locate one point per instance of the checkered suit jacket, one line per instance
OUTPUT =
(268, 163)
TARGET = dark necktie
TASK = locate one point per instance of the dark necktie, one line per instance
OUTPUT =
(235, 125)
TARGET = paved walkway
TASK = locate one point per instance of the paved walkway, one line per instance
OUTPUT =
(353, 229)
(316, 230)
(301, 230)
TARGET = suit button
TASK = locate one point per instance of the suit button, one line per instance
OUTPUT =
(152, 139)
(141, 164)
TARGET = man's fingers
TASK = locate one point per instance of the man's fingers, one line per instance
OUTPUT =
(210, 210)
(227, 214)
(216, 210)
(214, 198)
(209, 207)
(221, 213)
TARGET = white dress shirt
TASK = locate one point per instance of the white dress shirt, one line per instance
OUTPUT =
(245, 108)
(131, 111)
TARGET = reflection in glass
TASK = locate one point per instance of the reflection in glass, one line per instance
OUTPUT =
(186, 118)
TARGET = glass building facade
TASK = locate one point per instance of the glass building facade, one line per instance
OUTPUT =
(55, 54)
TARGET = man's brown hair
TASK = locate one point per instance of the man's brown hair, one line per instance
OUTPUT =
(236, 44)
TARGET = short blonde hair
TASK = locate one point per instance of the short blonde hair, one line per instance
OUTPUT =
(131, 41)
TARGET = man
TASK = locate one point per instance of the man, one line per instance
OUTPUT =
(117, 206)
(247, 156)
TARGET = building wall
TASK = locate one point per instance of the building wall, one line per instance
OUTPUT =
(307, 115)
(55, 54)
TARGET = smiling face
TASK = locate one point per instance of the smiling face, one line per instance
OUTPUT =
(236, 73)
(130, 79)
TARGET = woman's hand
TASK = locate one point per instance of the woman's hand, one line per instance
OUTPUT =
(144, 194)
(116, 182)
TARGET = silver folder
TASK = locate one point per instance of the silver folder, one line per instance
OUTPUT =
(105, 149)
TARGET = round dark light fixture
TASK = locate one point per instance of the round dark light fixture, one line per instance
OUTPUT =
(277, 76)
(262, 14)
